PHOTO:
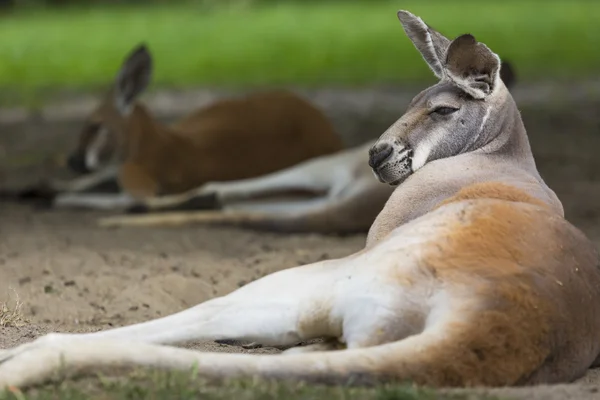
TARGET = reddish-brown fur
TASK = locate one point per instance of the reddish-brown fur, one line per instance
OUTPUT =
(492, 190)
(530, 305)
(232, 139)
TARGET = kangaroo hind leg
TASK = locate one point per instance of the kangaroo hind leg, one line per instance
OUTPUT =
(298, 178)
(281, 309)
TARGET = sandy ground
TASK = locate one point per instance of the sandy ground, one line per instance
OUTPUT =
(73, 277)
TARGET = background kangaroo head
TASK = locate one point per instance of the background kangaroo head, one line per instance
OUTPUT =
(461, 113)
(101, 139)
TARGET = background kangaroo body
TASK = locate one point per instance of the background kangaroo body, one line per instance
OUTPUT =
(231, 139)
(471, 276)
(343, 197)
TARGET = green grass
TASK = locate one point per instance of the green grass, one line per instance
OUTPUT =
(180, 386)
(310, 44)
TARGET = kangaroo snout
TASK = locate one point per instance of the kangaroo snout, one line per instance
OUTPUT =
(391, 161)
(379, 153)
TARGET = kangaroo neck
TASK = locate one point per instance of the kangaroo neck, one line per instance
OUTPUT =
(510, 141)
(144, 134)
(506, 158)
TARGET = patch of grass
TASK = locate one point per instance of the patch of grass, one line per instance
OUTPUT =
(181, 386)
(307, 44)
(10, 313)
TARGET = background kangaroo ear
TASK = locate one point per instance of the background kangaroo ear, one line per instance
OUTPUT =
(472, 66)
(133, 78)
(507, 74)
(431, 44)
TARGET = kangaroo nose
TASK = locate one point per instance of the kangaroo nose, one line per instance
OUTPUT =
(379, 153)
(77, 164)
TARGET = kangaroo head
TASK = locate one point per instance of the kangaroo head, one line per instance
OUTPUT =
(103, 135)
(461, 113)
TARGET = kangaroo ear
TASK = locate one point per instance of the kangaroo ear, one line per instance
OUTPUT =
(431, 44)
(507, 74)
(133, 78)
(472, 66)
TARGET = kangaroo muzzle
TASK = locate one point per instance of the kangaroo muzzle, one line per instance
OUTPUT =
(76, 163)
(391, 161)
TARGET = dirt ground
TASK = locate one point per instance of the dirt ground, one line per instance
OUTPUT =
(71, 276)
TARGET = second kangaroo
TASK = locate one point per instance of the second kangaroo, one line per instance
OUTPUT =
(231, 139)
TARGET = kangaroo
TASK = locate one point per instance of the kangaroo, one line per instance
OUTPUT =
(345, 199)
(231, 139)
(470, 276)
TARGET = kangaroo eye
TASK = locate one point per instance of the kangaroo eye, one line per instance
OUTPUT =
(444, 110)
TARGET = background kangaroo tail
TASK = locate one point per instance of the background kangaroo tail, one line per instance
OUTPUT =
(252, 220)
(323, 221)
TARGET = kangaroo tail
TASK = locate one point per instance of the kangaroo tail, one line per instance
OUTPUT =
(253, 220)
(318, 221)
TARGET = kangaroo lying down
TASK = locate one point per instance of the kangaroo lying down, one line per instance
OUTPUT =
(235, 138)
(470, 276)
(345, 199)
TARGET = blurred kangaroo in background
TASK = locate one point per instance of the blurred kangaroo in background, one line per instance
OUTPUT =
(231, 139)
(345, 196)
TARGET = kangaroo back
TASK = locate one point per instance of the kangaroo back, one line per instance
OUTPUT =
(254, 135)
